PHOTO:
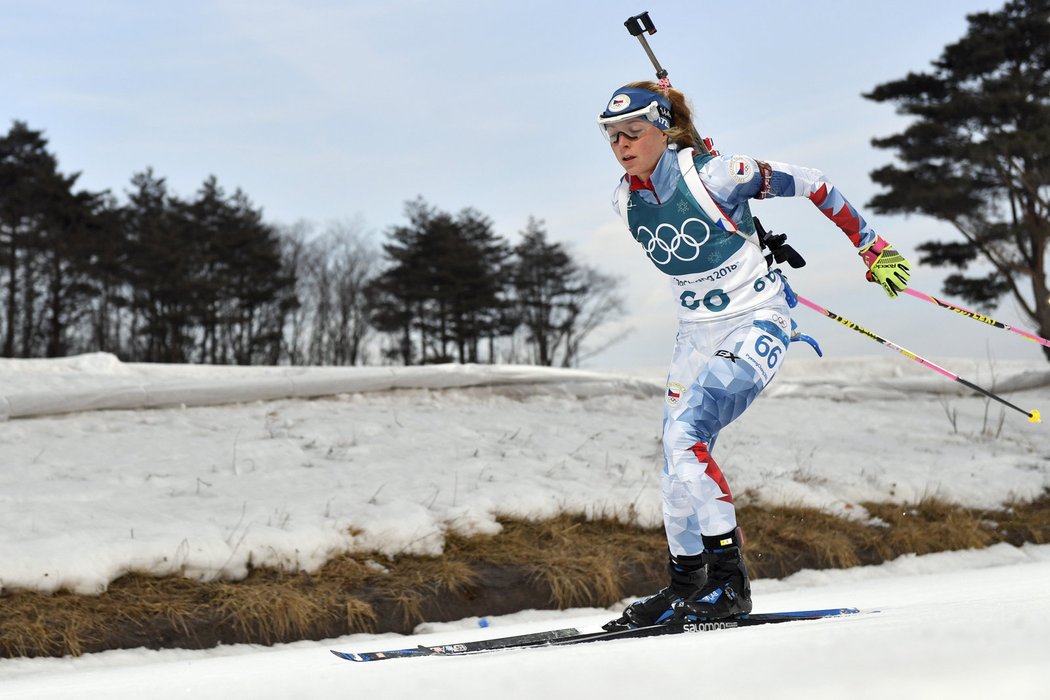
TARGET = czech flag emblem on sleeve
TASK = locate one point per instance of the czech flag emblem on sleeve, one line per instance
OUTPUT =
(674, 393)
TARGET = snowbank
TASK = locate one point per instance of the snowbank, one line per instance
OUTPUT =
(309, 463)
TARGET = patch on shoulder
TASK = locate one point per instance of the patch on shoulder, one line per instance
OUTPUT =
(741, 169)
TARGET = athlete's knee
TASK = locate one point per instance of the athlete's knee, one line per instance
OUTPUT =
(680, 436)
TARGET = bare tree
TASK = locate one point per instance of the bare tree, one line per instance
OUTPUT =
(349, 266)
(295, 249)
(330, 325)
(594, 302)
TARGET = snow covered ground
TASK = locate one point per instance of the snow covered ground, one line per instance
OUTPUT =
(393, 460)
(962, 625)
(287, 467)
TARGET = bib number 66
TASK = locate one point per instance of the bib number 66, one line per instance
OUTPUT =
(767, 348)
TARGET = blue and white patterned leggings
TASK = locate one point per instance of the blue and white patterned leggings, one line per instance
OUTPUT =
(717, 370)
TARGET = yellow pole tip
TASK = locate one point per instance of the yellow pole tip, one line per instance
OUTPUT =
(1033, 417)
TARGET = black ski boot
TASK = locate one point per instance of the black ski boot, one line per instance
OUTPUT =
(727, 592)
(687, 576)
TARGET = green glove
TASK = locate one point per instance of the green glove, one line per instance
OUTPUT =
(886, 266)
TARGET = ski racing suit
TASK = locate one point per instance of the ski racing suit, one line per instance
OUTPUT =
(734, 324)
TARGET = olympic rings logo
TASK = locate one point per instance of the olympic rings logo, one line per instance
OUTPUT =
(673, 244)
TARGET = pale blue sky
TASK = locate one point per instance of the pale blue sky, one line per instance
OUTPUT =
(325, 111)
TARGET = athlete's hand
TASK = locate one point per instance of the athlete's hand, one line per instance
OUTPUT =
(886, 266)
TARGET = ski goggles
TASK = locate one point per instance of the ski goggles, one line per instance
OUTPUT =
(629, 103)
(633, 129)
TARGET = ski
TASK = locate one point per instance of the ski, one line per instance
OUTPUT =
(516, 641)
(690, 626)
(563, 637)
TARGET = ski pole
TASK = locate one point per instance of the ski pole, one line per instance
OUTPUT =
(1033, 416)
(639, 26)
(975, 316)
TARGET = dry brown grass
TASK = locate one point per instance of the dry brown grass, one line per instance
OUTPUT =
(413, 581)
(579, 561)
(269, 611)
(562, 562)
(780, 541)
(1024, 522)
(69, 625)
(930, 526)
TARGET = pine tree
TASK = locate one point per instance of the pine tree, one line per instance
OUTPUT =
(443, 291)
(477, 287)
(397, 296)
(67, 254)
(106, 269)
(543, 284)
(159, 266)
(45, 247)
(977, 156)
(559, 302)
